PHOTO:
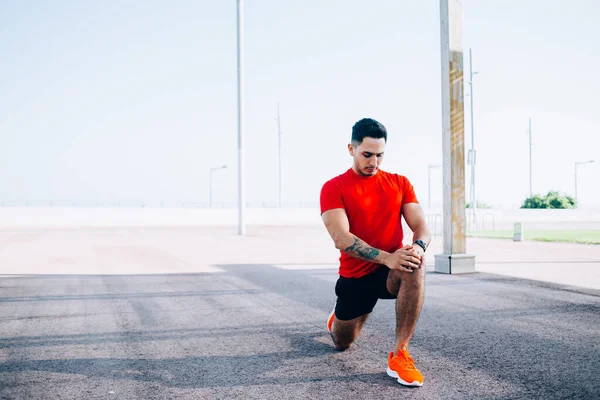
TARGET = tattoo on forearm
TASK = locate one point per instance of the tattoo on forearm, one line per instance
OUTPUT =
(364, 251)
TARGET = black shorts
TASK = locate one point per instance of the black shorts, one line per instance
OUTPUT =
(358, 296)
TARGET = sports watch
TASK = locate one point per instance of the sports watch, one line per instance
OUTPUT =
(421, 244)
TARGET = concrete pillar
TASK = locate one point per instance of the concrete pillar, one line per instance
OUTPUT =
(454, 259)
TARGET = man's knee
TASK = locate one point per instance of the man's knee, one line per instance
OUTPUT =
(342, 346)
(347, 331)
(417, 274)
(342, 343)
(412, 280)
(415, 279)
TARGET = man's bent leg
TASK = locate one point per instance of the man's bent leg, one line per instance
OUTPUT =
(410, 289)
(356, 298)
(344, 333)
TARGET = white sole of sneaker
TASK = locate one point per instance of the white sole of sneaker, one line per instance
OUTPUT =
(394, 374)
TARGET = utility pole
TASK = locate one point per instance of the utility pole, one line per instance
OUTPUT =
(240, 87)
(279, 155)
(472, 153)
(530, 163)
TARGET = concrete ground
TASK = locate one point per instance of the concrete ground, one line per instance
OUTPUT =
(202, 313)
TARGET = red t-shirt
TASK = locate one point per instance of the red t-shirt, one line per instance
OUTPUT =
(373, 205)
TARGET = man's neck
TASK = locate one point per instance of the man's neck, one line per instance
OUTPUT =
(357, 173)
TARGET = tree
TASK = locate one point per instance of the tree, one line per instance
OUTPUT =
(535, 202)
(551, 200)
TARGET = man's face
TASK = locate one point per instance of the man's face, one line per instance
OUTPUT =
(367, 156)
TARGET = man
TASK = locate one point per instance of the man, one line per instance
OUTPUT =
(362, 210)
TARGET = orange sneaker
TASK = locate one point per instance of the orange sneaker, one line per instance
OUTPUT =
(330, 320)
(402, 367)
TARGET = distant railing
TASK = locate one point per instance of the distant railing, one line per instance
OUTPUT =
(432, 223)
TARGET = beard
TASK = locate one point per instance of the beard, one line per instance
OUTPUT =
(367, 171)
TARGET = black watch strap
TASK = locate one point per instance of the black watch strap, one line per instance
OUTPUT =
(421, 244)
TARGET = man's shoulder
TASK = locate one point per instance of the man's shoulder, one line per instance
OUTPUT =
(394, 176)
(332, 193)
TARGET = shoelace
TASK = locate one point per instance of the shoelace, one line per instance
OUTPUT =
(404, 360)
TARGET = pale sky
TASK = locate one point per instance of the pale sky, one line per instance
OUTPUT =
(136, 100)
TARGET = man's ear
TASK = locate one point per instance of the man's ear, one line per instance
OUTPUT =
(351, 149)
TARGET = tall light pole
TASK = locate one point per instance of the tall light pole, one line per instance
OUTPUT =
(576, 164)
(240, 87)
(210, 174)
(429, 167)
(472, 153)
(279, 154)
(530, 164)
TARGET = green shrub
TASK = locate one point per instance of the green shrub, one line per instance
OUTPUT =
(551, 200)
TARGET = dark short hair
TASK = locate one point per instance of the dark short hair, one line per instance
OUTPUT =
(368, 127)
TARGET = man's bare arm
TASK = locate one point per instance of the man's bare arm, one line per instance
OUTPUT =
(362, 250)
(415, 218)
(336, 222)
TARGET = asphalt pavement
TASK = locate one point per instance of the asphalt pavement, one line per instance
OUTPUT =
(201, 313)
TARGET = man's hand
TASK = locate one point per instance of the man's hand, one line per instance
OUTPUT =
(418, 252)
(405, 259)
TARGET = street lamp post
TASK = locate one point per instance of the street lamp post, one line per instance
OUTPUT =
(530, 163)
(576, 164)
(240, 102)
(212, 169)
(429, 183)
(279, 156)
(472, 153)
